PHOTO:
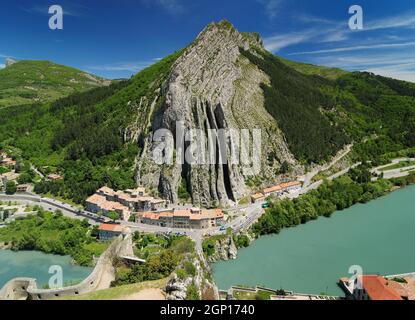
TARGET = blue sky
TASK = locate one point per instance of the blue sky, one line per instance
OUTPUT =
(118, 38)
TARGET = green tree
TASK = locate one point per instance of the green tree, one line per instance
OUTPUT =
(25, 177)
(11, 187)
(285, 168)
(192, 293)
(113, 215)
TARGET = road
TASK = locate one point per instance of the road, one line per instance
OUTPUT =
(394, 173)
(378, 170)
(309, 176)
(249, 213)
(74, 212)
(37, 171)
(51, 205)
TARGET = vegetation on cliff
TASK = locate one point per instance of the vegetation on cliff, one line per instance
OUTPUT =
(162, 254)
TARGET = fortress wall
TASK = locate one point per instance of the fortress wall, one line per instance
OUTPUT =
(27, 288)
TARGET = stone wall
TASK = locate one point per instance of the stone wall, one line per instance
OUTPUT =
(25, 288)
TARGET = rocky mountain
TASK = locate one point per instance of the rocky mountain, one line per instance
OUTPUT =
(214, 85)
(225, 80)
(27, 81)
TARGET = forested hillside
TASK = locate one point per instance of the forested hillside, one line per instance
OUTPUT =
(294, 100)
(378, 113)
(81, 136)
(93, 138)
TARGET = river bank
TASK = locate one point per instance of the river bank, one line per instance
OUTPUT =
(310, 258)
(34, 264)
(53, 233)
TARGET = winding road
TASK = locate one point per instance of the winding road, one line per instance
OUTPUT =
(249, 213)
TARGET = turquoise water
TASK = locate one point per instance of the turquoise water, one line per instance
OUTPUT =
(32, 264)
(379, 236)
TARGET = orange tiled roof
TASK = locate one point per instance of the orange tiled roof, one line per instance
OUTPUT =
(282, 186)
(258, 196)
(96, 199)
(106, 190)
(110, 205)
(54, 176)
(111, 227)
(378, 288)
(137, 190)
(186, 213)
(273, 189)
(290, 184)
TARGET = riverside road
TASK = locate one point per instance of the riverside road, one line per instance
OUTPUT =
(248, 214)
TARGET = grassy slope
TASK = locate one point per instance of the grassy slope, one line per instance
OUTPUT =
(310, 69)
(31, 81)
(118, 293)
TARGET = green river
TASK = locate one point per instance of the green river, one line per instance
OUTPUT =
(379, 236)
(32, 264)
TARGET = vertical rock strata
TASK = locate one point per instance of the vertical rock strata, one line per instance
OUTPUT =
(212, 86)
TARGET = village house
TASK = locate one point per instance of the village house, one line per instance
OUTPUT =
(99, 204)
(373, 287)
(9, 176)
(280, 189)
(8, 162)
(110, 231)
(54, 177)
(291, 186)
(22, 188)
(273, 191)
(5, 160)
(184, 219)
(106, 200)
(258, 197)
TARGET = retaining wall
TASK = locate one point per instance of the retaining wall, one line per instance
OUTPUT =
(25, 288)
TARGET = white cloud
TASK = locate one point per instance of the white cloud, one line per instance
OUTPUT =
(398, 65)
(395, 73)
(367, 61)
(67, 10)
(317, 34)
(272, 7)
(357, 48)
(278, 42)
(406, 20)
(385, 53)
(323, 30)
(2, 66)
(173, 7)
(123, 66)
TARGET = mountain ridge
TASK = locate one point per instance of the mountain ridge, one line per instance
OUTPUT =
(29, 81)
(223, 80)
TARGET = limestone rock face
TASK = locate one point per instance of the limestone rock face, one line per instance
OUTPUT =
(177, 289)
(213, 86)
(225, 250)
